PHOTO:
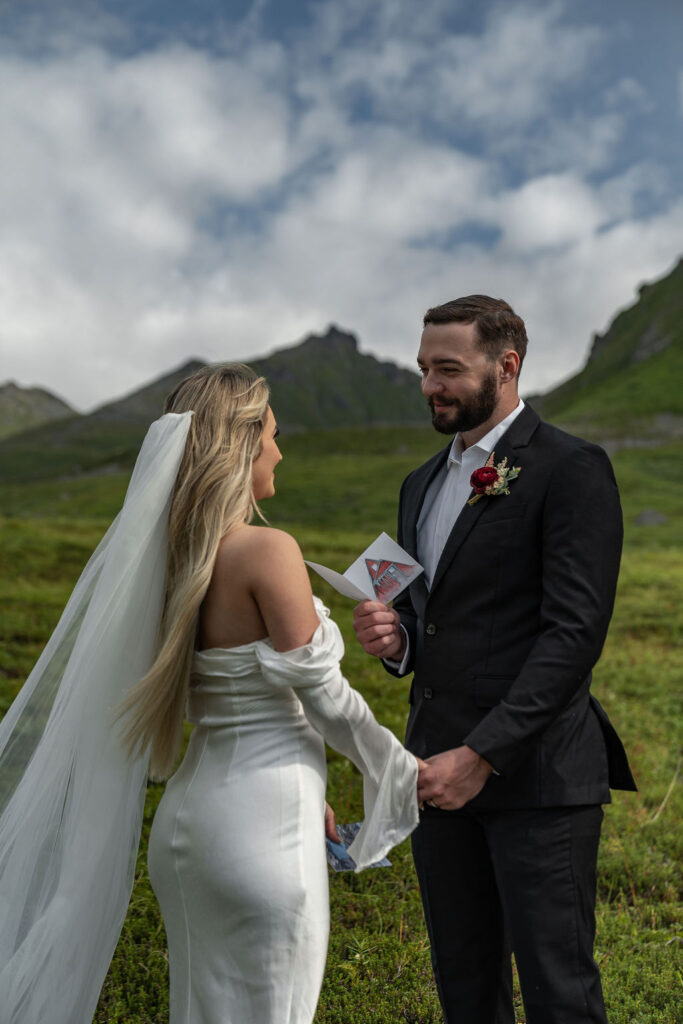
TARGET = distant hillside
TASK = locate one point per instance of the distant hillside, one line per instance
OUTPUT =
(631, 384)
(322, 382)
(23, 408)
(326, 382)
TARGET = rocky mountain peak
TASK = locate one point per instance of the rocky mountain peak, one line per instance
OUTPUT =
(23, 408)
(334, 339)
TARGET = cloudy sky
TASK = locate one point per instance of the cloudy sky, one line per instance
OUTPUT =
(217, 178)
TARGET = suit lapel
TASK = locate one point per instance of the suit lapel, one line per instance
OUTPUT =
(517, 436)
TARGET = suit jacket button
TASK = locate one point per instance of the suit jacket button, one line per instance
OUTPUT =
(431, 629)
(428, 694)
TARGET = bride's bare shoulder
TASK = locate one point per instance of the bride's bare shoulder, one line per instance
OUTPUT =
(257, 542)
(252, 551)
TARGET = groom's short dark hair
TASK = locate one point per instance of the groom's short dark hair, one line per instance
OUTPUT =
(497, 325)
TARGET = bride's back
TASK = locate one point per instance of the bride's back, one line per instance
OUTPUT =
(259, 588)
(229, 615)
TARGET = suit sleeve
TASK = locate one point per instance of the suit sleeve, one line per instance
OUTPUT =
(582, 536)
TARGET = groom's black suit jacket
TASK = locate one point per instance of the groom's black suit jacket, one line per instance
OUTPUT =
(503, 643)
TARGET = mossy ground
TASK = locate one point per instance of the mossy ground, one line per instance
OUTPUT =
(335, 500)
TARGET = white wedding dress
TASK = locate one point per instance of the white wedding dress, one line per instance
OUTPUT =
(237, 850)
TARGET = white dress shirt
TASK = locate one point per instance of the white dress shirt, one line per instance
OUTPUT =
(445, 500)
(449, 490)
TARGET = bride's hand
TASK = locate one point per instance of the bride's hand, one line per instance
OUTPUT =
(331, 825)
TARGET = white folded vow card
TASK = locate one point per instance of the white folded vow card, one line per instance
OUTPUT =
(379, 574)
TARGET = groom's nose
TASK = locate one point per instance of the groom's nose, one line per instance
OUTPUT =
(431, 384)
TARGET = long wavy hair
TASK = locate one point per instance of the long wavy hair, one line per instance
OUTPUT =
(213, 494)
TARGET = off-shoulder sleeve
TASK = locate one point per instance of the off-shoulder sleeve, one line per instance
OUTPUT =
(343, 718)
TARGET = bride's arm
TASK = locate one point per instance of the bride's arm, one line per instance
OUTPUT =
(342, 717)
(280, 585)
(281, 588)
(338, 712)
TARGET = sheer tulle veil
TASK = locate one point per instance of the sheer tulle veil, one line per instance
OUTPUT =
(70, 799)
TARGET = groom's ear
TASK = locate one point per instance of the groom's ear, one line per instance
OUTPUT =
(508, 364)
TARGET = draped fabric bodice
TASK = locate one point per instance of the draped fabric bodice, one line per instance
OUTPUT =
(229, 689)
(253, 690)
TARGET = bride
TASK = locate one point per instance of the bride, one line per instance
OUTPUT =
(186, 608)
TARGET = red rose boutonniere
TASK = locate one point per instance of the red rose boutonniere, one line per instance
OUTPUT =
(491, 479)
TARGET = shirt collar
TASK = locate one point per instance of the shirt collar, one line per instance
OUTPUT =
(485, 444)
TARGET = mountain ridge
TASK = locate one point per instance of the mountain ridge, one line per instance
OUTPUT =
(24, 407)
(351, 388)
(626, 393)
(628, 386)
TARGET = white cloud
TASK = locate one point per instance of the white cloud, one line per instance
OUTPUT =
(177, 121)
(177, 201)
(509, 75)
(383, 186)
(506, 75)
(578, 292)
(200, 125)
(629, 93)
(547, 212)
(113, 163)
(623, 195)
(585, 143)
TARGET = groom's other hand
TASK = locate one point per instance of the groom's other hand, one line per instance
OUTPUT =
(450, 779)
(378, 630)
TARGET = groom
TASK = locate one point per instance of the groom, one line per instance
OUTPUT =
(518, 527)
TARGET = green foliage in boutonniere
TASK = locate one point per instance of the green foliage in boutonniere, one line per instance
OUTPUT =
(491, 479)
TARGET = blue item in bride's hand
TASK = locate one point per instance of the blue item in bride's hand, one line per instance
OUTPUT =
(337, 853)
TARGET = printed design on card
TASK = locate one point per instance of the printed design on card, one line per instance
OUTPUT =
(388, 577)
(380, 573)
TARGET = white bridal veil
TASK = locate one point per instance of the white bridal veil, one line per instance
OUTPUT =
(70, 800)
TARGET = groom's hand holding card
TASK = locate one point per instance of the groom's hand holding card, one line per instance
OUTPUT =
(376, 578)
(380, 574)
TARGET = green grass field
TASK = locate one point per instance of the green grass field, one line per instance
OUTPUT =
(336, 492)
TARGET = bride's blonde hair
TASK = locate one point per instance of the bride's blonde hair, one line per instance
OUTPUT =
(213, 494)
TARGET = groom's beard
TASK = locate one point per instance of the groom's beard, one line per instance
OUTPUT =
(464, 416)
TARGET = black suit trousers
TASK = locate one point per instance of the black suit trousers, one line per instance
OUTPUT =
(525, 879)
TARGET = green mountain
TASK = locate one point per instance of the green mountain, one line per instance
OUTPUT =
(630, 386)
(628, 391)
(322, 382)
(23, 408)
(326, 382)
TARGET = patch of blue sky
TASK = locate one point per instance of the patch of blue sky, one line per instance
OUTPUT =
(470, 234)
(224, 220)
(213, 24)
